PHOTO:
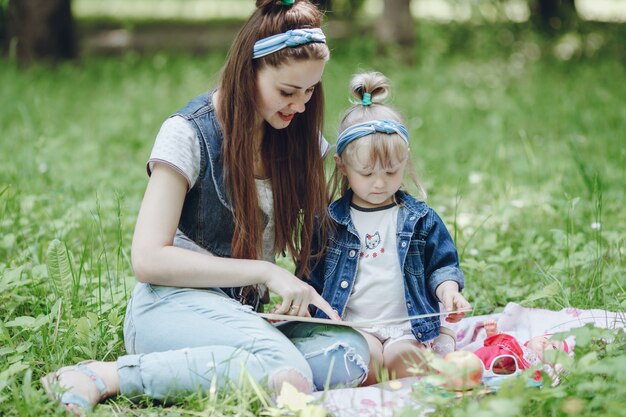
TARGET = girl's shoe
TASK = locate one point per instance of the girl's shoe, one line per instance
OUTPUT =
(73, 402)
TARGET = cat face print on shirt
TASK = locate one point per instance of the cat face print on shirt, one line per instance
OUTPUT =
(372, 242)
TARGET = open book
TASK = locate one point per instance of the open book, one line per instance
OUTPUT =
(361, 324)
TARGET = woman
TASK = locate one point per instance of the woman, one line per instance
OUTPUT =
(236, 176)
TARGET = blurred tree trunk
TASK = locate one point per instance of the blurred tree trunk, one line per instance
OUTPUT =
(554, 15)
(325, 5)
(396, 29)
(342, 9)
(41, 30)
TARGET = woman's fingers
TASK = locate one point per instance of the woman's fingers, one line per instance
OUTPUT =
(297, 306)
(320, 303)
(297, 296)
(294, 305)
(300, 307)
(284, 307)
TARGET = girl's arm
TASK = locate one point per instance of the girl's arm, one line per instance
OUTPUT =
(442, 268)
(441, 260)
(156, 261)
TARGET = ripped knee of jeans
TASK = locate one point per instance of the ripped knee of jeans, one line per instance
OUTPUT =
(291, 376)
(342, 364)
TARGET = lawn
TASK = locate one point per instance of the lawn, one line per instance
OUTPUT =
(519, 142)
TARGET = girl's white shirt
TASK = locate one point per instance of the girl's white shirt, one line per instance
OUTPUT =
(378, 291)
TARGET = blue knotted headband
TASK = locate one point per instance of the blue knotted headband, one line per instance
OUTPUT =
(359, 130)
(291, 38)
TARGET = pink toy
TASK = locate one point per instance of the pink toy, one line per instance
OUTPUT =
(502, 354)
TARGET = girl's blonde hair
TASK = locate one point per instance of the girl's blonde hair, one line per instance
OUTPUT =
(374, 88)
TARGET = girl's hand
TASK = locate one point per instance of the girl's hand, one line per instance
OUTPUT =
(449, 295)
(455, 301)
(296, 294)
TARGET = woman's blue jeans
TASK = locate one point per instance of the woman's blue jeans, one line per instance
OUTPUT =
(185, 340)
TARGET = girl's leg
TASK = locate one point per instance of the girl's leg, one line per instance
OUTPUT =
(183, 340)
(338, 355)
(375, 366)
(404, 358)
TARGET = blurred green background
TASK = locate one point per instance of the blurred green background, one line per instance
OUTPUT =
(517, 117)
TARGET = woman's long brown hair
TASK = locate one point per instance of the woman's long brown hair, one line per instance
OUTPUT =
(292, 156)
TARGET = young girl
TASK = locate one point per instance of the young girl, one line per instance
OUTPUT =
(390, 256)
(236, 176)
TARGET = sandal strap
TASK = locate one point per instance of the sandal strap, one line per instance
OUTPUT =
(100, 385)
(68, 398)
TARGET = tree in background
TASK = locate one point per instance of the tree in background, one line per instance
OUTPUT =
(396, 29)
(40, 30)
(4, 4)
(340, 9)
(325, 5)
(553, 16)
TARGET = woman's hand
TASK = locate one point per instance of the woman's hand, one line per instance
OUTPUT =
(296, 294)
(449, 295)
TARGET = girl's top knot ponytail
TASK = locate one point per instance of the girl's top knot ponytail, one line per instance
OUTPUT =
(370, 88)
(281, 3)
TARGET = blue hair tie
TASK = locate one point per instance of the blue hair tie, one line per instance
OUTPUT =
(359, 130)
(291, 38)
(367, 99)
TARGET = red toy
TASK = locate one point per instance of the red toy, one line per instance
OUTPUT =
(502, 354)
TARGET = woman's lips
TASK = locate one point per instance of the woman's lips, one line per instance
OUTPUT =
(286, 117)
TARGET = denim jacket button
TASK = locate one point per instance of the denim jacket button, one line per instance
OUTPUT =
(344, 284)
(403, 244)
(419, 335)
(412, 218)
(351, 254)
(408, 305)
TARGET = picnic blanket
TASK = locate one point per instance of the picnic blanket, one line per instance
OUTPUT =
(524, 323)
(521, 322)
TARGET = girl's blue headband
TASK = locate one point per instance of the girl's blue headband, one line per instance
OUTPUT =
(291, 38)
(359, 130)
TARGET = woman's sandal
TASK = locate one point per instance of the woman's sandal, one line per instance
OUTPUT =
(54, 390)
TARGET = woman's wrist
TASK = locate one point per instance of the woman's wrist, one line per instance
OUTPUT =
(266, 270)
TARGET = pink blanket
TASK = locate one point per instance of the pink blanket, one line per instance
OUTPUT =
(521, 322)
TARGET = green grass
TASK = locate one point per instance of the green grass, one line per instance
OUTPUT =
(522, 154)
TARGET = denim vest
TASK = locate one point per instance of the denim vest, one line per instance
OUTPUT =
(426, 253)
(207, 214)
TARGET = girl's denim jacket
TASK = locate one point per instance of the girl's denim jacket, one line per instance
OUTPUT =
(426, 253)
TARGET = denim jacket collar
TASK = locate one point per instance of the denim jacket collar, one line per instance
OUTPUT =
(339, 210)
